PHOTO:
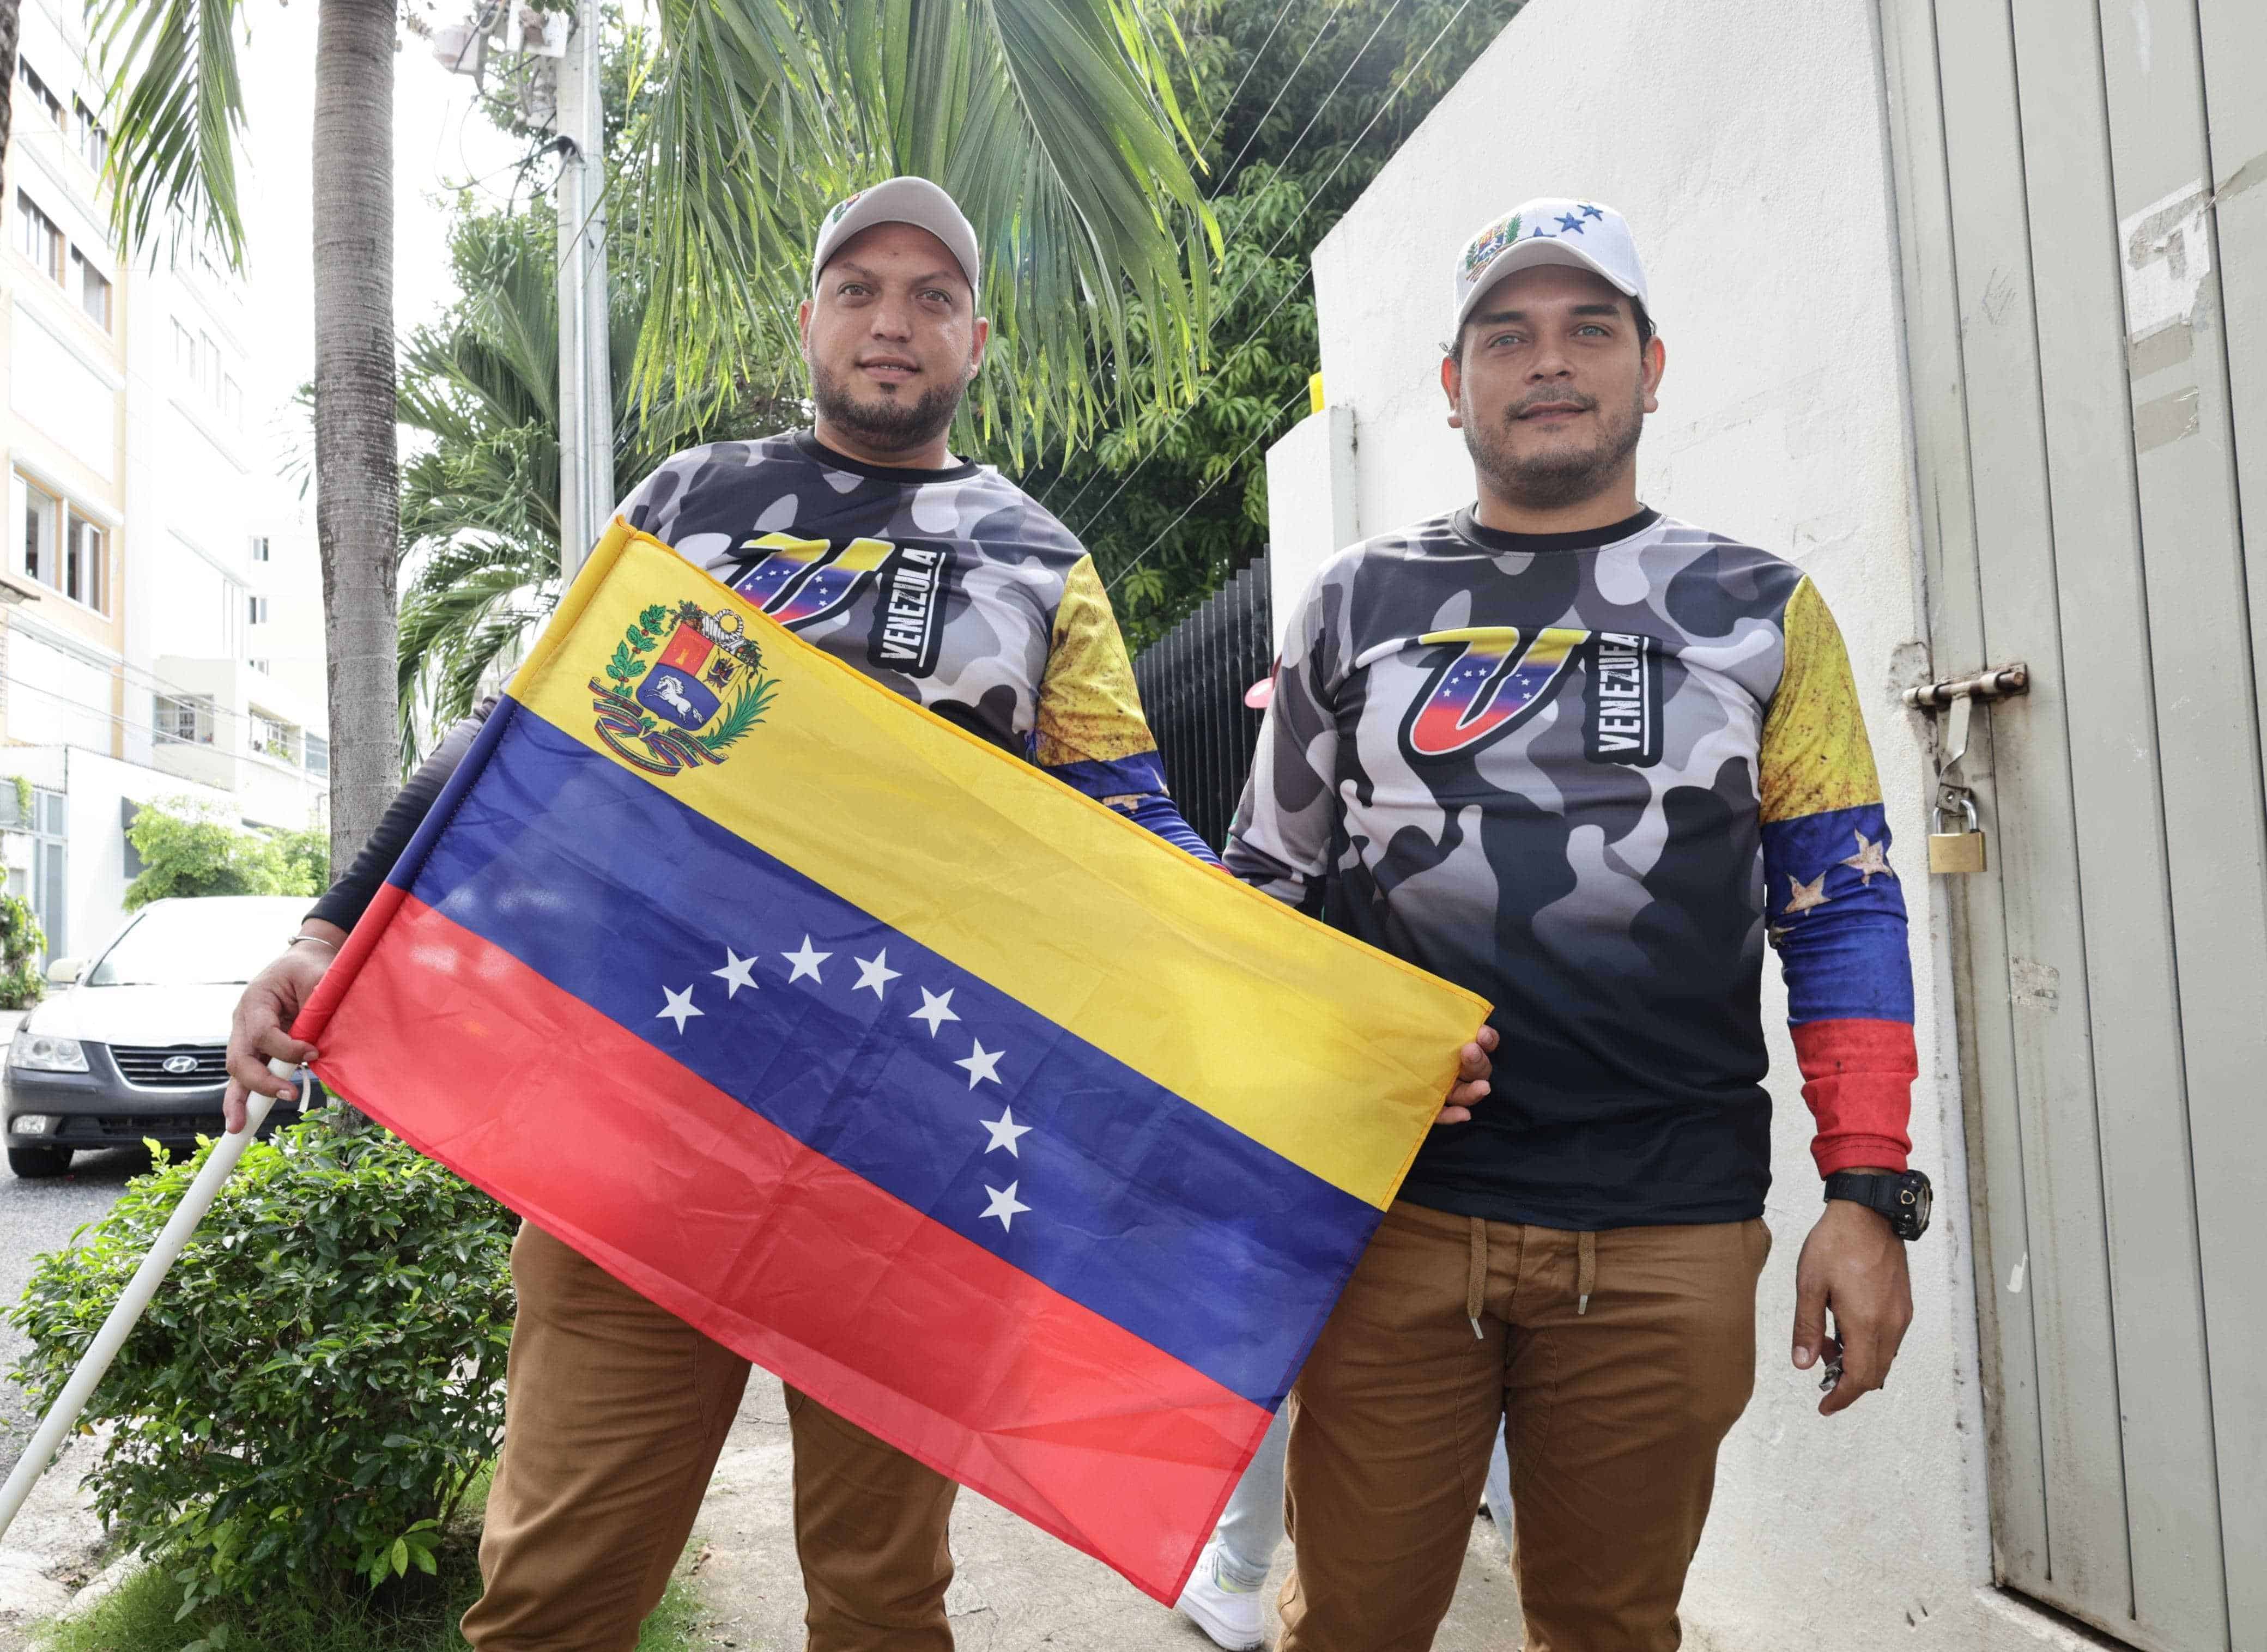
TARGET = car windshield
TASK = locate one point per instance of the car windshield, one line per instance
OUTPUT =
(195, 943)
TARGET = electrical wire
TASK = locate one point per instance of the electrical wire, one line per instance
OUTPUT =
(1248, 68)
(1179, 419)
(158, 737)
(1338, 6)
(1141, 555)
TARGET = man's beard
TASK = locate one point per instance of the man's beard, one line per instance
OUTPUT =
(887, 424)
(1564, 476)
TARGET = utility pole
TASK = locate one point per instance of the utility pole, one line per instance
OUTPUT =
(586, 389)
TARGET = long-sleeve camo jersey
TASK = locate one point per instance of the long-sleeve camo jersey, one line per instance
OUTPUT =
(951, 587)
(1584, 775)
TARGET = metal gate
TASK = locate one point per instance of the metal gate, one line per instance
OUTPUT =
(2085, 258)
(1192, 681)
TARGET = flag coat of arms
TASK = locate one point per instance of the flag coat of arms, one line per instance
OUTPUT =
(955, 1098)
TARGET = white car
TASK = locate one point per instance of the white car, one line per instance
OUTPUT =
(136, 1046)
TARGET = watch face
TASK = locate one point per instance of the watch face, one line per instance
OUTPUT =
(1915, 1199)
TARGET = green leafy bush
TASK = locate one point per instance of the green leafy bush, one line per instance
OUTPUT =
(21, 942)
(319, 1377)
(191, 848)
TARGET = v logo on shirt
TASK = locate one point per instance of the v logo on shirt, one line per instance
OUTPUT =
(803, 582)
(1497, 678)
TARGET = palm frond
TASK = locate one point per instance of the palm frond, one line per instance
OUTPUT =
(1053, 122)
(174, 105)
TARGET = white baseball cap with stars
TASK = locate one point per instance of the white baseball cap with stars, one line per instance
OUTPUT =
(1550, 230)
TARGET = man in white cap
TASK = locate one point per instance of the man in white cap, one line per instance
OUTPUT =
(945, 582)
(1583, 759)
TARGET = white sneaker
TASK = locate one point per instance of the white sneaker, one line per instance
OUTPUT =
(1227, 1611)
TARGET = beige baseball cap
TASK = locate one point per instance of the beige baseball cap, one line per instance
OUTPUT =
(914, 201)
(1551, 230)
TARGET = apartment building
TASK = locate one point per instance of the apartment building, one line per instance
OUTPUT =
(161, 635)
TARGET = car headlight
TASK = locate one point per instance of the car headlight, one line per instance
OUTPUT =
(44, 1052)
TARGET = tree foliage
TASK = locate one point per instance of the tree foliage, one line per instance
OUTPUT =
(1297, 108)
(191, 848)
(319, 1377)
(480, 503)
(21, 942)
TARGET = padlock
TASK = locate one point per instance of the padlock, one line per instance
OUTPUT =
(1956, 852)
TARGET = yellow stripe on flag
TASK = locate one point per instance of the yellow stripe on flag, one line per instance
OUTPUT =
(1324, 1050)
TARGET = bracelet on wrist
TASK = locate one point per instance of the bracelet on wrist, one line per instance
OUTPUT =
(318, 940)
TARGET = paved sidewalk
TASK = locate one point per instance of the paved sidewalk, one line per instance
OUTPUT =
(1017, 1590)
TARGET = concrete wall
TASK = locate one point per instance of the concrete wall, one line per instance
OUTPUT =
(1747, 145)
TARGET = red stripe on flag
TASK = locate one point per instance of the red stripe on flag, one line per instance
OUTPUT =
(904, 1327)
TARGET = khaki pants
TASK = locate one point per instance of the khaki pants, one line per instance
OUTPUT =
(1614, 1414)
(614, 1413)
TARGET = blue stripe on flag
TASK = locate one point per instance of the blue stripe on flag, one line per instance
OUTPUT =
(1136, 1204)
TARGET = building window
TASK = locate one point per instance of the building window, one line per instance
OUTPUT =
(264, 667)
(273, 737)
(86, 563)
(63, 550)
(256, 611)
(38, 238)
(42, 516)
(231, 401)
(93, 139)
(93, 290)
(319, 756)
(259, 547)
(185, 352)
(39, 89)
(186, 718)
(209, 363)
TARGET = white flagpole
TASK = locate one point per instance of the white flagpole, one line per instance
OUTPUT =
(64, 1414)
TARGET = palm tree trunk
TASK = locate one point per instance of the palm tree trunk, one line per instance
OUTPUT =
(357, 501)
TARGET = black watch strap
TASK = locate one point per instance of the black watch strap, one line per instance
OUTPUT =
(1901, 1200)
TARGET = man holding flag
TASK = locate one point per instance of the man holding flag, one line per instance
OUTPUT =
(946, 584)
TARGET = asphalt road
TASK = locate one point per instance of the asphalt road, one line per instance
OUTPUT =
(38, 1216)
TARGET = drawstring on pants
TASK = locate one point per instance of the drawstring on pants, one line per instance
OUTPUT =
(1475, 1272)
(1586, 1269)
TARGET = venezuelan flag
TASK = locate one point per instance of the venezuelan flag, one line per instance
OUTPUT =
(950, 1096)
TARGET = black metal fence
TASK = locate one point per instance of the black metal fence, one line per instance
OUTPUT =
(1192, 681)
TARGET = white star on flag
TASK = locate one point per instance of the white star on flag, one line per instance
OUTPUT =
(678, 1009)
(936, 1007)
(1004, 1205)
(806, 962)
(1869, 859)
(875, 973)
(1004, 1131)
(735, 974)
(1802, 896)
(982, 1064)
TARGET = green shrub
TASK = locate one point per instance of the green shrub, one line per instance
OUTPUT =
(21, 942)
(319, 1377)
(192, 848)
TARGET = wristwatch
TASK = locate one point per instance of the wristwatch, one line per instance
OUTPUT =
(1903, 1199)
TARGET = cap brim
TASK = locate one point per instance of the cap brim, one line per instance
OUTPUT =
(1527, 254)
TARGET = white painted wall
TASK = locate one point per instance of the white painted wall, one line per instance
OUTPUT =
(1747, 145)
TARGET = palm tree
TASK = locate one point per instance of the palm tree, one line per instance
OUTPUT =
(1052, 121)
(480, 504)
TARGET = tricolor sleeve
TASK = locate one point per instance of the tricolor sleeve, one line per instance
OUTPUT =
(1280, 841)
(1089, 733)
(1836, 910)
